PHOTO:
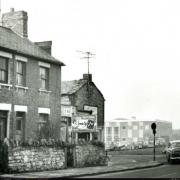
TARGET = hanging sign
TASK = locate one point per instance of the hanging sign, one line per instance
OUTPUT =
(84, 122)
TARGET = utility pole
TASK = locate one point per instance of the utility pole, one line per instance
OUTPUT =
(87, 56)
(0, 14)
(153, 126)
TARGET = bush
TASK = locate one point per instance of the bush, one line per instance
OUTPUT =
(100, 161)
(97, 143)
(93, 142)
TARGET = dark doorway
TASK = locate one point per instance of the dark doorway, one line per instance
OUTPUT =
(3, 125)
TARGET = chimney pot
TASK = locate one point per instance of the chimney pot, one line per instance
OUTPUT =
(87, 77)
(11, 9)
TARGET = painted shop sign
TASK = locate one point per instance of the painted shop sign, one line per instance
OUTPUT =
(84, 123)
(67, 111)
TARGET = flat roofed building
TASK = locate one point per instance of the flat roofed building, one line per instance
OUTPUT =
(119, 132)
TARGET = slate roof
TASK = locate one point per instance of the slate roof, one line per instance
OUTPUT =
(70, 87)
(11, 41)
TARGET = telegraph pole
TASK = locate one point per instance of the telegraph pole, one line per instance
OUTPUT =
(0, 14)
(87, 56)
(153, 126)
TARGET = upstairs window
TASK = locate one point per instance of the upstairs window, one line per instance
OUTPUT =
(20, 73)
(3, 70)
(44, 78)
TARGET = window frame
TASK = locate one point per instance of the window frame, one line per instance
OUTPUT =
(45, 79)
(20, 116)
(5, 81)
(45, 122)
(21, 74)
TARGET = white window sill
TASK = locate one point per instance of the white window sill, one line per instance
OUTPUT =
(21, 87)
(8, 86)
(44, 91)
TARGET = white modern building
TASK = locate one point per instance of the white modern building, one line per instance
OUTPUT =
(130, 131)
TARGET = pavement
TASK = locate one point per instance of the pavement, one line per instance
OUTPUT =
(80, 172)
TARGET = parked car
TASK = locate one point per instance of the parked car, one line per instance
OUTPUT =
(173, 151)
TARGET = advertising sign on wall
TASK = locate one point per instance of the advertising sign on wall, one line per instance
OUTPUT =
(93, 109)
(67, 111)
(84, 122)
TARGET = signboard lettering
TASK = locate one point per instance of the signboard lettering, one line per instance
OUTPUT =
(84, 123)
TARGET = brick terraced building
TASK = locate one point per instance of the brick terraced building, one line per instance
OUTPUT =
(82, 109)
(30, 81)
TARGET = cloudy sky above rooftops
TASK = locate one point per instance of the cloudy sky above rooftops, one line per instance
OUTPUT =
(137, 47)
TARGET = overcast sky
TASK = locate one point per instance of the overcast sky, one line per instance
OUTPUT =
(137, 47)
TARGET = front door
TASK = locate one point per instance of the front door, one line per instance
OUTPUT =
(3, 125)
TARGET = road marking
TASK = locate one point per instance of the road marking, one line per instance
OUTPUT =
(166, 175)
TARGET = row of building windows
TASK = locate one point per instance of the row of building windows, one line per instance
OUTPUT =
(21, 73)
(20, 122)
(116, 129)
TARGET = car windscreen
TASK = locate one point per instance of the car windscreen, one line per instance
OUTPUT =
(176, 144)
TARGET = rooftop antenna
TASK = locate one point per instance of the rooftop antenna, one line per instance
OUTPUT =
(87, 56)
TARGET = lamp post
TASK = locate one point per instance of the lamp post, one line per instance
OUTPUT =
(153, 126)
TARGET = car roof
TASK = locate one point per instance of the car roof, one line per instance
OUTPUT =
(174, 141)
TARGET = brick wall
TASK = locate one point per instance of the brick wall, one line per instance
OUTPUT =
(95, 99)
(35, 159)
(32, 98)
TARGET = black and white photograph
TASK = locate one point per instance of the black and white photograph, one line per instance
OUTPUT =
(89, 89)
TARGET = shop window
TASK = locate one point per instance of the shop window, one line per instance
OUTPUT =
(84, 136)
(3, 70)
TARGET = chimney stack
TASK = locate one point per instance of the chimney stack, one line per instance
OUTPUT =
(45, 45)
(17, 21)
(87, 77)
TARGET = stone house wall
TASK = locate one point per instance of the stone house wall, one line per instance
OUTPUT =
(94, 98)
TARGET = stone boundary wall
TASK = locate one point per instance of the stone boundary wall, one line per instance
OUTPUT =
(89, 155)
(35, 159)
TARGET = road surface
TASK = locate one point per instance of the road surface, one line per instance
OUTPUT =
(165, 171)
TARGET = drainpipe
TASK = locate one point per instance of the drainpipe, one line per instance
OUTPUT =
(13, 97)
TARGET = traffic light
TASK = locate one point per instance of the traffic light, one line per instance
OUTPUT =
(153, 126)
